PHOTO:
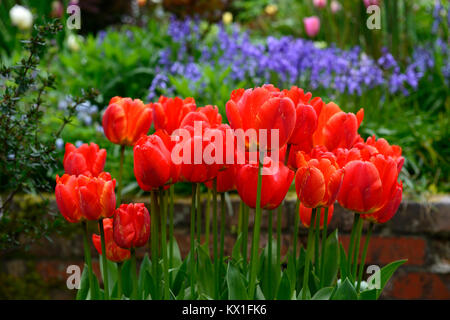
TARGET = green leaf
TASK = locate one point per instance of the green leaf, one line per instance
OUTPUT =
(236, 285)
(179, 278)
(331, 263)
(368, 295)
(343, 263)
(345, 291)
(127, 280)
(323, 294)
(284, 289)
(387, 272)
(205, 276)
(84, 284)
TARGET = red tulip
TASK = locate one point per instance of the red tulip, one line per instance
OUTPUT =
(337, 129)
(131, 225)
(168, 113)
(225, 180)
(87, 160)
(67, 198)
(367, 185)
(113, 251)
(305, 215)
(208, 114)
(317, 182)
(275, 183)
(153, 166)
(389, 209)
(383, 147)
(126, 120)
(97, 197)
(262, 108)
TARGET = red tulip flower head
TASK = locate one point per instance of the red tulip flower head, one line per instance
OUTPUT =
(225, 180)
(153, 166)
(305, 215)
(317, 182)
(97, 197)
(126, 120)
(67, 198)
(113, 251)
(389, 209)
(275, 183)
(88, 159)
(169, 112)
(262, 108)
(131, 225)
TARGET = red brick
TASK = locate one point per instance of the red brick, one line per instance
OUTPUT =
(383, 250)
(418, 285)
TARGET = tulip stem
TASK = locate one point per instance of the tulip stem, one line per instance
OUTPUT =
(322, 253)
(351, 244)
(222, 234)
(162, 205)
(87, 257)
(269, 264)
(296, 223)
(215, 240)
(119, 188)
(192, 253)
(154, 242)
(171, 239)
(317, 242)
(308, 253)
(134, 273)
(240, 219)
(245, 235)
(363, 257)
(104, 262)
(208, 219)
(357, 245)
(279, 236)
(119, 280)
(256, 232)
(199, 213)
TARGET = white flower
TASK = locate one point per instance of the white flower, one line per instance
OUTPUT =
(73, 42)
(21, 17)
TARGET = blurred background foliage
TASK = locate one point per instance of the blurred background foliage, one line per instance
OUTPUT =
(205, 49)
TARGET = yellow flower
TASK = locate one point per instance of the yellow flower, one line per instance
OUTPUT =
(271, 9)
(227, 17)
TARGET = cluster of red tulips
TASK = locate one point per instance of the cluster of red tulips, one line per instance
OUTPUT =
(296, 137)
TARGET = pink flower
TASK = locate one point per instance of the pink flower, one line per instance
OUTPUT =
(335, 6)
(320, 3)
(312, 26)
(368, 3)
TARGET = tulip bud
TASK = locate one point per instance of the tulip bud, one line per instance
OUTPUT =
(67, 198)
(97, 197)
(131, 225)
(126, 120)
(113, 251)
(88, 160)
(312, 26)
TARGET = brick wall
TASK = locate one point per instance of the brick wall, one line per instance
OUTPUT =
(419, 232)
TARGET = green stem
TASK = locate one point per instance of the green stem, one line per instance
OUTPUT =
(279, 236)
(222, 235)
(363, 258)
(269, 239)
(134, 274)
(256, 232)
(351, 244)
(308, 253)
(208, 219)
(87, 256)
(119, 280)
(317, 242)
(192, 253)
(240, 218)
(245, 236)
(104, 263)
(119, 187)
(356, 253)
(154, 241)
(215, 240)
(296, 223)
(162, 206)
(199, 213)
(322, 257)
(171, 239)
